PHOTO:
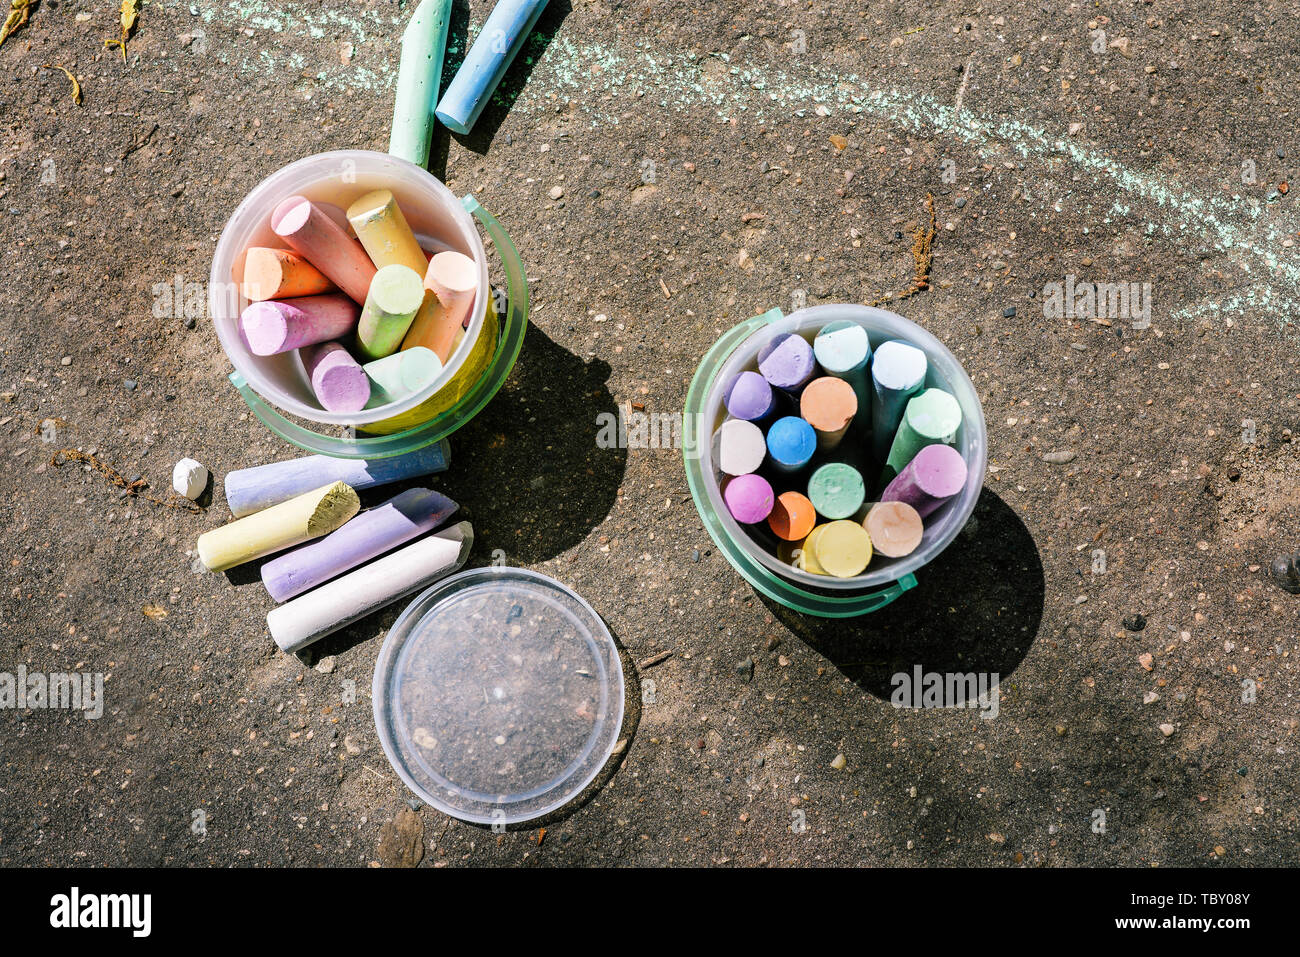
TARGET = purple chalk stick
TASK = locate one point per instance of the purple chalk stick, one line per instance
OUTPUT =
(750, 397)
(749, 498)
(338, 380)
(370, 534)
(787, 362)
(280, 325)
(936, 474)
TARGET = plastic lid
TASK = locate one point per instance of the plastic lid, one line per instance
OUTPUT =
(498, 695)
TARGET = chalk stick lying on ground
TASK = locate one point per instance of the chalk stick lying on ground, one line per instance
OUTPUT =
(330, 607)
(277, 326)
(396, 295)
(371, 533)
(290, 523)
(936, 474)
(424, 44)
(253, 489)
(316, 236)
(338, 380)
(281, 274)
(402, 374)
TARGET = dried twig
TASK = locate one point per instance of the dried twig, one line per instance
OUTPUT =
(922, 256)
(76, 87)
(135, 489)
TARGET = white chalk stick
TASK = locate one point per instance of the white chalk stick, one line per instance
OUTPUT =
(325, 610)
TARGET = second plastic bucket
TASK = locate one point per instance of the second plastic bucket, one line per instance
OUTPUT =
(274, 386)
(886, 578)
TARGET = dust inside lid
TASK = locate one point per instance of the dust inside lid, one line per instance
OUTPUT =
(498, 695)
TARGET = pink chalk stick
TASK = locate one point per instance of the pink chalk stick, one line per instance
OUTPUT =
(935, 474)
(314, 235)
(338, 380)
(277, 326)
(749, 498)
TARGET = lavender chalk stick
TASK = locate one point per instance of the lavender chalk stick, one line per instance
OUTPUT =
(750, 397)
(370, 534)
(251, 490)
(787, 362)
(337, 379)
(935, 474)
(276, 326)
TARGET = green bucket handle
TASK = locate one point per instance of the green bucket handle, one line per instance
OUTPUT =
(786, 593)
(510, 341)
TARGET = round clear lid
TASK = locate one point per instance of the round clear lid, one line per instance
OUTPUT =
(498, 695)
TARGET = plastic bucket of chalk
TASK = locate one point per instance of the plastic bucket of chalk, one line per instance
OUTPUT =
(277, 387)
(885, 579)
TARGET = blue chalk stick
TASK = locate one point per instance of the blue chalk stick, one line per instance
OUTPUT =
(251, 490)
(501, 38)
(791, 443)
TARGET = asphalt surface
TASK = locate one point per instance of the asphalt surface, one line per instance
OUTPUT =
(714, 161)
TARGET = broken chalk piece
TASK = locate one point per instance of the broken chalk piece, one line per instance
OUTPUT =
(316, 235)
(934, 475)
(338, 380)
(189, 478)
(339, 603)
(253, 489)
(400, 375)
(281, 274)
(370, 534)
(384, 232)
(282, 526)
(396, 295)
(452, 277)
(278, 326)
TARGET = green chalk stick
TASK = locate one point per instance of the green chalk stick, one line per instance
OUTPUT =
(402, 374)
(419, 73)
(395, 296)
(836, 490)
(931, 418)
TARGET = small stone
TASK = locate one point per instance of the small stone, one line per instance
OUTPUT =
(1145, 660)
(745, 669)
(326, 665)
(839, 762)
(556, 192)
(1009, 312)
(1135, 622)
(1242, 772)
(1061, 730)
(1150, 697)
(695, 554)
(1283, 572)
(189, 478)
(961, 202)
(1062, 457)
(772, 642)
(1234, 473)
(66, 360)
(129, 385)
(1166, 729)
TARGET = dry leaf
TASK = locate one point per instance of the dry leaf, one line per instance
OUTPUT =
(154, 611)
(19, 11)
(130, 10)
(76, 87)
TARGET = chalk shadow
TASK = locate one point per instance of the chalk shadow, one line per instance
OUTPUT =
(977, 607)
(484, 131)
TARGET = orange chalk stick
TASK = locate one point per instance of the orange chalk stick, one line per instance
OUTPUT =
(793, 517)
(452, 277)
(281, 274)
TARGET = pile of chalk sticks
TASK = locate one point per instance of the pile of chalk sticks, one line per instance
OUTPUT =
(820, 427)
(345, 563)
(374, 317)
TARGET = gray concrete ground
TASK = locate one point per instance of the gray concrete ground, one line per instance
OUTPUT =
(715, 161)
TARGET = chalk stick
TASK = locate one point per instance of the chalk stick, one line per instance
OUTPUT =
(253, 489)
(384, 233)
(281, 274)
(402, 374)
(502, 37)
(337, 604)
(315, 235)
(828, 404)
(791, 443)
(895, 528)
(396, 295)
(843, 350)
(452, 277)
(368, 535)
(836, 490)
(793, 517)
(419, 72)
(842, 549)
(750, 397)
(739, 447)
(337, 379)
(897, 373)
(787, 362)
(749, 498)
(807, 557)
(932, 417)
(279, 325)
(302, 518)
(934, 475)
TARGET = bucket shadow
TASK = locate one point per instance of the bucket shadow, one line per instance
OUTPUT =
(975, 608)
(484, 131)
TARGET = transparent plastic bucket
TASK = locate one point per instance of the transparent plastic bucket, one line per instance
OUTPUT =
(886, 578)
(278, 386)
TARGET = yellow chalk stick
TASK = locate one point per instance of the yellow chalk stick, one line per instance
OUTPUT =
(808, 552)
(290, 523)
(841, 549)
(384, 232)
